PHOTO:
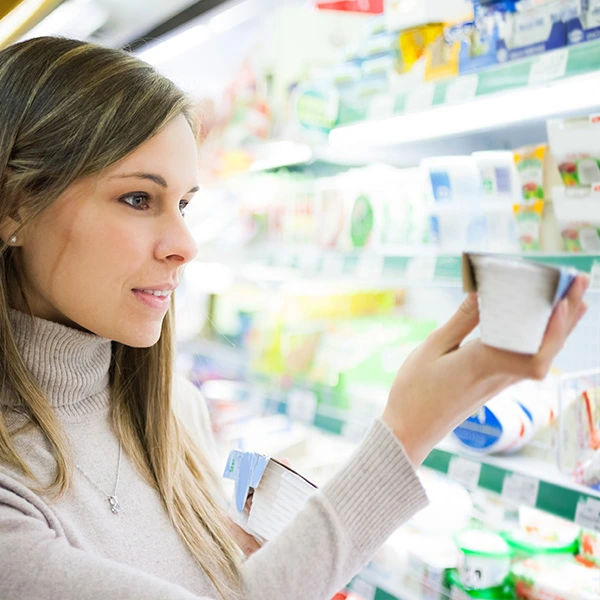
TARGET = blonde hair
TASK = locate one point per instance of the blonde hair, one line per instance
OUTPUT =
(69, 110)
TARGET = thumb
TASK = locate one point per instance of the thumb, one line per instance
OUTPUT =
(460, 325)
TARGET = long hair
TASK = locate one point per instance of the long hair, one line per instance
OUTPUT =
(69, 110)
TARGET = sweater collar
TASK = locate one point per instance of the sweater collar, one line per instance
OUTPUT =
(72, 366)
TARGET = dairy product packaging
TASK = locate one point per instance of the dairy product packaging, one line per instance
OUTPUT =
(278, 493)
(516, 298)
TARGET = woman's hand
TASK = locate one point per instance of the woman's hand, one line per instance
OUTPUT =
(442, 383)
(247, 543)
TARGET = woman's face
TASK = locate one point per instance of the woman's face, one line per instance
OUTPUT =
(93, 257)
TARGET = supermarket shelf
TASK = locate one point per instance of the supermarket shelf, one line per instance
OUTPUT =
(424, 267)
(522, 479)
(557, 65)
(372, 586)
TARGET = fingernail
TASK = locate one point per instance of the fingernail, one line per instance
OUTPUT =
(564, 307)
(586, 283)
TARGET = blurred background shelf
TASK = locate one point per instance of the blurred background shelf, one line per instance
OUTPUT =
(425, 266)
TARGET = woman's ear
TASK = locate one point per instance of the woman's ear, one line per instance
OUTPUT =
(8, 232)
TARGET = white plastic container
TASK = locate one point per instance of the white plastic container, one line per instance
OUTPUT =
(501, 189)
(516, 298)
(454, 203)
(501, 426)
(279, 497)
(484, 560)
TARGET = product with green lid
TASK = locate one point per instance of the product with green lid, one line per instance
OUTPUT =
(484, 560)
(459, 592)
(525, 544)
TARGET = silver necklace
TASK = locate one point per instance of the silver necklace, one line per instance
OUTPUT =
(113, 500)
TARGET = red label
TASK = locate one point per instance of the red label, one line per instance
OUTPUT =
(363, 6)
(595, 119)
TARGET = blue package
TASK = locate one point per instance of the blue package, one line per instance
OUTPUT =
(246, 469)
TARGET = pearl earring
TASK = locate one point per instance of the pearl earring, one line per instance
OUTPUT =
(13, 239)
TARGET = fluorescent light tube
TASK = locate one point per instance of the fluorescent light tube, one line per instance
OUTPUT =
(237, 15)
(176, 45)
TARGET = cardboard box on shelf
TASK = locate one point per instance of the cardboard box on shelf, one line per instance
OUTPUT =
(539, 28)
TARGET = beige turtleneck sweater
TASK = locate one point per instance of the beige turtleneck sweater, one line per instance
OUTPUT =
(76, 549)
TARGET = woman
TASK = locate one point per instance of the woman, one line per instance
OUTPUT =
(105, 489)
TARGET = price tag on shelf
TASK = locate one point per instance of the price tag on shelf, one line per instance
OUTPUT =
(308, 262)
(421, 98)
(549, 66)
(284, 259)
(520, 489)
(333, 265)
(588, 514)
(354, 431)
(381, 107)
(302, 406)
(370, 266)
(465, 471)
(421, 268)
(462, 89)
(362, 589)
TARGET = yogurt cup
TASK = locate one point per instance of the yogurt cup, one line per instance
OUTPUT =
(484, 559)
(459, 592)
(525, 544)
(516, 298)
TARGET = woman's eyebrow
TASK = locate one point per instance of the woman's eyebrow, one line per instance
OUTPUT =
(158, 179)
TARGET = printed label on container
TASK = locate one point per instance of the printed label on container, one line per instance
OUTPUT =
(465, 471)
(520, 489)
(588, 514)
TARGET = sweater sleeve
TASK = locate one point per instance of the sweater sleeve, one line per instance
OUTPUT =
(348, 520)
(335, 535)
(342, 525)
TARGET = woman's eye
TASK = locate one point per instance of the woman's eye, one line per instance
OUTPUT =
(137, 201)
(182, 206)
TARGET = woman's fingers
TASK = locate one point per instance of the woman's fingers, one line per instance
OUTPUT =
(461, 324)
(564, 319)
(247, 544)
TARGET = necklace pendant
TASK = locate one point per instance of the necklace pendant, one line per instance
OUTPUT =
(115, 506)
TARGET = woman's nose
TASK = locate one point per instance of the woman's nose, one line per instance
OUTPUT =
(176, 242)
